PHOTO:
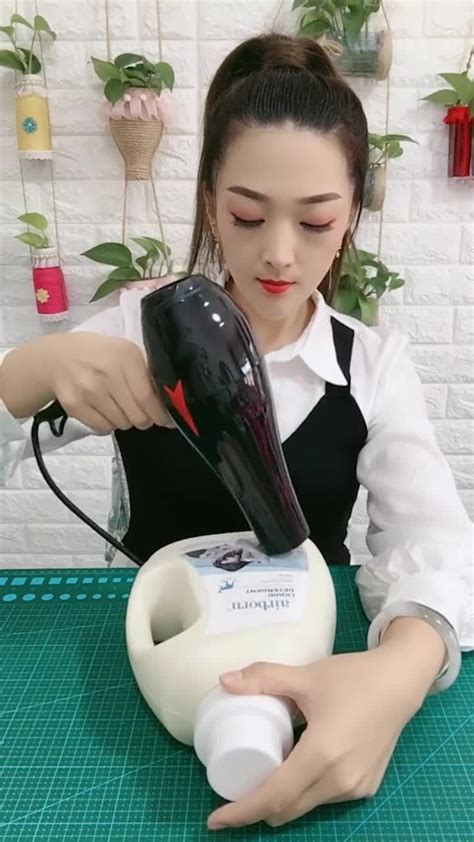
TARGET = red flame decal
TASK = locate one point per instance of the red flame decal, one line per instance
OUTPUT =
(178, 400)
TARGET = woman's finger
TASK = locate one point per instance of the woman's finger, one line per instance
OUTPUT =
(107, 406)
(94, 420)
(135, 415)
(277, 795)
(139, 383)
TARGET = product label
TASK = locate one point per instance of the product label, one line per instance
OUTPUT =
(248, 589)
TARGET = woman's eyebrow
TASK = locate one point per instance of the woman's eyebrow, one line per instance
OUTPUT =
(305, 200)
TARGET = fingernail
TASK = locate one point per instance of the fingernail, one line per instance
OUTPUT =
(215, 823)
(231, 677)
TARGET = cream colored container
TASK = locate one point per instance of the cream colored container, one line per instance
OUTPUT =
(205, 606)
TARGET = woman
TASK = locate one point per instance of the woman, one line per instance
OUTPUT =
(279, 196)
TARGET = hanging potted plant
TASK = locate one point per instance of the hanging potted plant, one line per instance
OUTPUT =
(342, 27)
(144, 272)
(363, 280)
(381, 149)
(32, 112)
(137, 106)
(48, 278)
(459, 101)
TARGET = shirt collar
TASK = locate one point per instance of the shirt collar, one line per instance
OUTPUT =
(315, 347)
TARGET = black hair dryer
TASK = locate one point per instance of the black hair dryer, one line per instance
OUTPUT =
(213, 381)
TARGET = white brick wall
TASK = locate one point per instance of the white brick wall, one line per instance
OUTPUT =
(428, 220)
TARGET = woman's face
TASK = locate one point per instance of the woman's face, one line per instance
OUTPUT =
(283, 202)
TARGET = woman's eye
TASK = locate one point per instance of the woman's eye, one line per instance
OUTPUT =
(317, 228)
(246, 223)
(253, 223)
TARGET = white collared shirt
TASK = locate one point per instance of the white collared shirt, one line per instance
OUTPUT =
(419, 534)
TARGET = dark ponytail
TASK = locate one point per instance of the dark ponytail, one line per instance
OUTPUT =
(269, 80)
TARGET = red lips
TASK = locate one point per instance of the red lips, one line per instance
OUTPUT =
(275, 287)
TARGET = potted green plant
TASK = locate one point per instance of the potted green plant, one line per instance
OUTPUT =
(144, 272)
(459, 101)
(342, 26)
(381, 149)
(32, 111)
(48, 277)
(137, 104)
(363, 280)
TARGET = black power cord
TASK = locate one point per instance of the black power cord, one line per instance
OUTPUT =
(56, 417)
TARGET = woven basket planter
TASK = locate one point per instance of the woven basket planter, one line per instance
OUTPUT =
(136, 123)
(137, 141)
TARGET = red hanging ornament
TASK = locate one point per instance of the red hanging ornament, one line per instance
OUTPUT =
(50, 286)
(459, 120)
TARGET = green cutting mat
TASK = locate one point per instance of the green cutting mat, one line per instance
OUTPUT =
(83, 758)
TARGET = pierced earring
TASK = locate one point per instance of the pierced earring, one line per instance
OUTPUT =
(338, 253)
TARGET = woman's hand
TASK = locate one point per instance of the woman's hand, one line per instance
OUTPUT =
(104, 382)
(356, 706)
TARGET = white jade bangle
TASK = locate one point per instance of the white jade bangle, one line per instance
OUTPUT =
(452, 663)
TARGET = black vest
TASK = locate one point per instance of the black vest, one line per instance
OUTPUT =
(175, 495)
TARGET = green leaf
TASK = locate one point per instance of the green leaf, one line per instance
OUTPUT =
(378, 283)
(165, 72)
(113, 254)
(368, 310)
(126, 59)
(353, 22)
(106, 288)
(443, 97)
(148, 65)
(329, 8)
(8, 30)
(376, 140)
(126, 273)
(137, 80)
(150, 245)
(11, 60)
(36, 220)
(115, 89)
(142, 262)
(388, 138)
(30, 239)
(345, 300)
(297, 4)
(42, 25)
(310, 17)
(394, 150)
(396, 283)
(139, 68)
(463, 86)
(366, 257)
(35, 63)
(105, 69)
(317, 27)
(20, 19)
(155, 84)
